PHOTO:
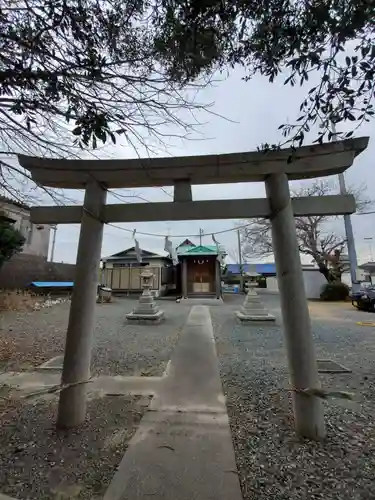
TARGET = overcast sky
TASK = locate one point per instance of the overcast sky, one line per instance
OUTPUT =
(254, 110)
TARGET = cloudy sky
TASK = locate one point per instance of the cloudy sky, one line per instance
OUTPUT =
(253, 112)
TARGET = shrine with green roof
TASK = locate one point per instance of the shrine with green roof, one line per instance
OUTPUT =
(199, 272)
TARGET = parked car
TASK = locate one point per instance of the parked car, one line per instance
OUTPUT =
(364, 299)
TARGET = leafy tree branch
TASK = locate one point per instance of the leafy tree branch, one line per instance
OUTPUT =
(11, 241)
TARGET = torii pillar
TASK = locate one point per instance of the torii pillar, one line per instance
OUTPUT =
(308, 411)
(76, 368)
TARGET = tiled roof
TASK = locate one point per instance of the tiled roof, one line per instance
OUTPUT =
(129, 253)
(186, 242)
(197, 250)
(368, 266)
(16, 203)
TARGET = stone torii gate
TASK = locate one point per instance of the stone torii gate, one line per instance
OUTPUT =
(275, 168)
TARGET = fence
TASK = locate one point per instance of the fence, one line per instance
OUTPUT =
(128, 279)
(22, 269)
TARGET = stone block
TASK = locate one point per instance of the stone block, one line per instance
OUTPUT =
(253, 309)
(145, 319)
(254, 317)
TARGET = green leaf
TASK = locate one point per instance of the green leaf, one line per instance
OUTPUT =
(288, 80)
(365, 51)
(77, 131)
(11, 241)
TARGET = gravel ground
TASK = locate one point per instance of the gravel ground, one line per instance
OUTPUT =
(272, 461)
(120, 348)
(39, 463)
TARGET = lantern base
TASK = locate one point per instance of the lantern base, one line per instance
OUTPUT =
(145, 319)
(255, 317)
(253, 309)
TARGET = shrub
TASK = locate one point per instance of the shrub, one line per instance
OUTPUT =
(17, 300)
(334, 291)
(231, 281)
(11, 241)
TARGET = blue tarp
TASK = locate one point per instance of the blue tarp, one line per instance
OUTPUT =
(265, 268)
(231, 289)
(247, 268)
(53, 284)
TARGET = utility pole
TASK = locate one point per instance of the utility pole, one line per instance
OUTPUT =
(240, 259)
(54, 228)
(369, 239)
(350, 240)
(348, 231)
(200, 236)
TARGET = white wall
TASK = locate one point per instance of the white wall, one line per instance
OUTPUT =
(272, 284)
(37, 236)
(345, 278)
(313, 280)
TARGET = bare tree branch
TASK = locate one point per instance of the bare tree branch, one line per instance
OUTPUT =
(315, 239)
(75, 75)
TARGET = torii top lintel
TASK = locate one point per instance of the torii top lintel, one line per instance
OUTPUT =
(305, 162)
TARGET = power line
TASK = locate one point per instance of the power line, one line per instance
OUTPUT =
(160, 235)
(195, 235)
(156, 235)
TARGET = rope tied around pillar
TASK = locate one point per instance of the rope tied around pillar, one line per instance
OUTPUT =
(90, 214)
(322, 394)
(274, 211)
(308, 392)
(57, 388)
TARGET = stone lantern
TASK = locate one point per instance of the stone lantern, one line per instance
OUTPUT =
(146, 310)
(253, 309)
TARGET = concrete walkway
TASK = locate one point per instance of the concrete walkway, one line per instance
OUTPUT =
(183, 447)
(205, 301)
